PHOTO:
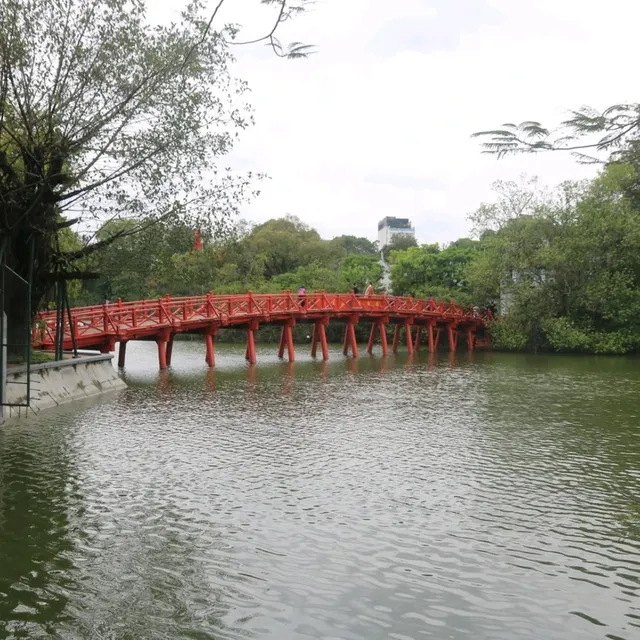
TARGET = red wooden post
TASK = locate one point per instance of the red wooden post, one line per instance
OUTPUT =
(416, 343)
(470, 338)
(345, 344)
(432, 347)
(170, 349)
(210, 357)
(283, 341)
(162, 352)
(407, 332)
(251, 342)
(251, 346)
(314, 340)
(352, 339)
(372, 338)
(383, 338)
(396, 338)
(323, 342)
(122, 353)
(453, 337)
(290, 350)
(438, 331)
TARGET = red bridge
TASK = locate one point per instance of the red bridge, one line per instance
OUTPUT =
(100, 327)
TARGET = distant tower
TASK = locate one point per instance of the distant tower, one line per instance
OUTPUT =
(389, 227)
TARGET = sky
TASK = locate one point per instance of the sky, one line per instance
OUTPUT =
(378, 121)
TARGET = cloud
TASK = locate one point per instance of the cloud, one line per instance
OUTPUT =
(378, 122)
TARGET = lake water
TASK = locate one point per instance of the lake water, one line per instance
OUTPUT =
(484, 497)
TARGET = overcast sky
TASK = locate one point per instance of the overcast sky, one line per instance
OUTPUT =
(378, 121)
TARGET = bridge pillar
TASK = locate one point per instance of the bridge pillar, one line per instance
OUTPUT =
(170, 349)
(372, 337)
(452, 333)
(286, 340)
(250, 353)
(471, 338)
(416, 343)
(319, 333)
(122, 353)
(383, 338)
(350, 341)
(283, 343)
(396, 338)
(162, 353)
(407, 332)
(209, 336)
(378, 327)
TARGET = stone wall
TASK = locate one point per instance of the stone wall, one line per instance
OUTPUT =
(60, 382)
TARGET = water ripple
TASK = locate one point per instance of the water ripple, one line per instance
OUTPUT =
(487, 497)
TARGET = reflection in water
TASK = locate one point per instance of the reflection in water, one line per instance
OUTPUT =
(452, 496)
(37, 490)
(211, 379)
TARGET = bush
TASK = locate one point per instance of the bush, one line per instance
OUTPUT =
(507, 336)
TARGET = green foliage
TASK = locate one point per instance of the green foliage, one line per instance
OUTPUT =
(280, 254)
(567, 270)
(353, 244)
(399, 242)
(586, 129)
(360, 270)
(314, 277)
(431, 271)
(507, 335)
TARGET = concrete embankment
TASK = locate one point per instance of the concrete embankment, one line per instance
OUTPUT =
(59, 382)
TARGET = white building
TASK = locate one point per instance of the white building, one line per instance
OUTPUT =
(389, 227)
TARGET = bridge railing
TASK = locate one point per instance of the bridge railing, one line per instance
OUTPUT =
(120, 317)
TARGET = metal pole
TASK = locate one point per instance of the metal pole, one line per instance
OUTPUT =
(71, 327)
(3, 338)
(59, 319)
(32, 250)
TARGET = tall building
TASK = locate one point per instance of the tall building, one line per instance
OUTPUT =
(390, 226)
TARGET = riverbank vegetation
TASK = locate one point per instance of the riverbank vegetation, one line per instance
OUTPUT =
(562, 266)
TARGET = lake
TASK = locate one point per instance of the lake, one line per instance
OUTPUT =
(481, 496)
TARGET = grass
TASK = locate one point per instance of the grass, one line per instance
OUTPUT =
(37, 357)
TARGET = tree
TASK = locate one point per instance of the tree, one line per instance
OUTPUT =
(354, 244)
(313, 276)
(514, 199)
(360, 270)
(106, 116)
(429, 270)
(284, 244)
(570, 273)
(399, 242)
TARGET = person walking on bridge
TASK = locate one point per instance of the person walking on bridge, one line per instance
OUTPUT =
(369, 291)
(302, 296)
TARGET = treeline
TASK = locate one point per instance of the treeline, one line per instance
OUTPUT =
(562, 267)
(280, 254)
